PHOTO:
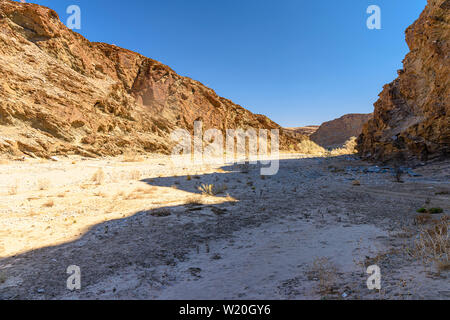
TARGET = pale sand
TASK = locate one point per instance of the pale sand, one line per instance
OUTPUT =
(257, 240)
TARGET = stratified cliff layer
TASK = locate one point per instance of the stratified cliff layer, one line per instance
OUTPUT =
(411, 119)
(61, 94)
(337, 132)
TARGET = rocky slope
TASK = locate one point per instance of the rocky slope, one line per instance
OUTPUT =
(411, 120)
(306, 131)
(336, 132)
(61, 94)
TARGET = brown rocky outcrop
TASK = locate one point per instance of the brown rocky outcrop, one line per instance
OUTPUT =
(61, 94)
(411, 119)
(337, 132)
(305, 131)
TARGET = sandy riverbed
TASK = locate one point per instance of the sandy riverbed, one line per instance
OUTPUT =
(142, 230)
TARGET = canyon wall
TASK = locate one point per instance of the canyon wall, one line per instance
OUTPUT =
(411, 118)
(62, 94)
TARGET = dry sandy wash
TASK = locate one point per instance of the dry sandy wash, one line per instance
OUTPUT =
(140, 228)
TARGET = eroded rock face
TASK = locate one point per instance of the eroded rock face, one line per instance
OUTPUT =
(411, 119)
(337, 132)
(61, 94)
(306, 131)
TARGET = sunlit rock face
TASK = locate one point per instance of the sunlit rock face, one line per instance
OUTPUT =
(61, 94)
(411, 119)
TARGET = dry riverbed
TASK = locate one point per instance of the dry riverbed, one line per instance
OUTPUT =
(140, 228)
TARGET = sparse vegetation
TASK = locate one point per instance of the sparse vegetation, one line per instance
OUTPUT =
(194, 201)
(49, 204)
(211, 189)
(13, 190)
(43, 184)
(135, 175)
(433, 245)
(324, 271)
(3, 277)
(98, 177)
(161, 213)
(431, 210)
(436, 210)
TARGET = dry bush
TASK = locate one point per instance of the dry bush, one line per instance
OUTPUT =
(325, 271)
(309, 147)
(161, 213)
(49, 204)
(3, 277)
(12, 190)
(422, 219)
(100, 194)
(433, 245)
(138, 193)
(348, 148)
(194, 201)
(212, 190)
(135, 175)
(43, 184)
(98, 177)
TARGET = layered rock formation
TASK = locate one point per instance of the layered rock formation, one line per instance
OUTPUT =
(411, 119)
(61, 94)
(337, 132)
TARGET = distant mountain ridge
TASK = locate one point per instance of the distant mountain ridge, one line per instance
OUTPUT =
(336, 133)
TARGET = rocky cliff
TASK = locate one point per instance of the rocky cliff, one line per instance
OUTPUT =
(411, 119)
(61, 94)
(337, 132)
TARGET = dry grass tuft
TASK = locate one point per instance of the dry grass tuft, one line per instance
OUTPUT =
(135, 175)
(194, 201)
(325, 272)
(98, 177)
(3, 277)
(43, 184)
(212, 190)
(433, 245)
(160, 213)
(12, 190)
(48, 204)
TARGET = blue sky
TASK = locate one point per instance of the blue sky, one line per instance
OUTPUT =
(299, 62)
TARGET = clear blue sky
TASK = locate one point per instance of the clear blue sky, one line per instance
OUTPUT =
(299, 62)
